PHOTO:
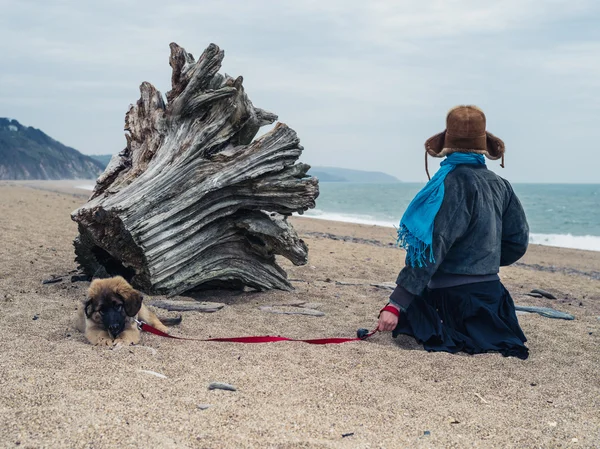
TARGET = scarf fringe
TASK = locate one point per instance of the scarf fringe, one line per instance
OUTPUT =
(416, 249)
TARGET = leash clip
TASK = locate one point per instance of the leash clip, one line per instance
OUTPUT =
(139, 323)
(362, 333)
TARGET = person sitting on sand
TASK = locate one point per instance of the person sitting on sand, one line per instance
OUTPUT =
(457, 232)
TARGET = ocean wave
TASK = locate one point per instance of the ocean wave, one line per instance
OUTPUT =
(349, 218)
(589, 242)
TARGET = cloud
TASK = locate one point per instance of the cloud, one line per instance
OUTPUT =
(353, 77)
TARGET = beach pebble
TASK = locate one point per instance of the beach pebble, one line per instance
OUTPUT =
(385, 285)
(552, 423)
(427, 433)
(35, 317)
(53, 280)
(221, 386)
(453, 420)
(535, 295)
(204, 406)
(349, 434)
(544, 293)
(80, 278)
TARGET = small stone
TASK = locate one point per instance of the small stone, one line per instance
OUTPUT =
(349, 434)
(533, 384)
(535, 295)
(453, 421)
(221, 386)
(427, 433)
(52, 280)
(552, 423)
(574, 440)
(35, 317)
(203, 406)
(80, 278)
(544, 293)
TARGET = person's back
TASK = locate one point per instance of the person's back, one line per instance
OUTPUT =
(495, 228)
(458, 231)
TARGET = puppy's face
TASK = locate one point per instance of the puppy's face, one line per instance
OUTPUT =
(110, 302)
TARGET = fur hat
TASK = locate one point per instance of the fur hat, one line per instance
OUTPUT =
(465, 133)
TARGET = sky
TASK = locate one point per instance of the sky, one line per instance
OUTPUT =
(363, 83)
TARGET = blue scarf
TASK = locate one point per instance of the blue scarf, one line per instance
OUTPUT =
(415, 234)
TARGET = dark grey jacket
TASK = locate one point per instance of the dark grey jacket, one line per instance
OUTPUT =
(480, 226)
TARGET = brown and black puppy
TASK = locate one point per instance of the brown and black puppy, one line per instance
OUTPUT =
(107, 316)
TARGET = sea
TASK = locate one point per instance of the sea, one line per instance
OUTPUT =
(564, 215)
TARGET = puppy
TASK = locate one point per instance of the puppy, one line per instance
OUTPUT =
(107, 316)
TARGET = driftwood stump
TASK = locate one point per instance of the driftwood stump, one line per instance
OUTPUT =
(193, 200)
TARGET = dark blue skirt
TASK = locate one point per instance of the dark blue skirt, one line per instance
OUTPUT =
(473, 318)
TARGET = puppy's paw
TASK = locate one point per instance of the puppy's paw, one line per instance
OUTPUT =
(126, 341)
(104, 342)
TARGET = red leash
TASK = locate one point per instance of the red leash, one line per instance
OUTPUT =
(362, 334)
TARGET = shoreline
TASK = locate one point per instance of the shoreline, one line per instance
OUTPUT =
(582, 242)
(82, 188)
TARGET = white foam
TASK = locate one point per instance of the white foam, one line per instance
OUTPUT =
(588, 242)
(349, 218)
(85, 187)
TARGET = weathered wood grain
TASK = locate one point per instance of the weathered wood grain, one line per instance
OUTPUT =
(193, 200)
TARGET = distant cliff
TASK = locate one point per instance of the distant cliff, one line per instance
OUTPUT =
(28, 153)
(336, 174)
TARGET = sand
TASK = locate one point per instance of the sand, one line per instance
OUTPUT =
(56, 390)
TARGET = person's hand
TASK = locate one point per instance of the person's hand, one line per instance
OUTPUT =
(387, 320)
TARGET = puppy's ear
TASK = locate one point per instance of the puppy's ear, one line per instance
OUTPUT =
(132, 301)
(87, 308)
